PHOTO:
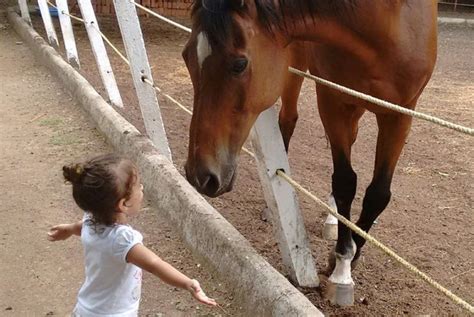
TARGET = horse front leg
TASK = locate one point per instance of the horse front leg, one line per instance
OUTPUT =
(289, 97)
(288, 115)
(340, 123)
(340, 289)
(393, 131)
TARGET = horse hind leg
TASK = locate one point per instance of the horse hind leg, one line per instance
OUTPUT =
(393, 131)
(330, 224)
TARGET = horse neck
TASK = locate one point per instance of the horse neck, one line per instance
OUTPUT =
(349, 33)
(331, 32)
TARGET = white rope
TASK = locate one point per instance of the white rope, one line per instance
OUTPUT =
(179, 26)
(98, 31)
(383, 103)
(353, 226)
(149, 82)
(297, 186)
(62, 12)
(379, 245)
(111, 45)
(346, 90)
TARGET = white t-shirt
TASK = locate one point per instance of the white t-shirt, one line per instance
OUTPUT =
(112, 286)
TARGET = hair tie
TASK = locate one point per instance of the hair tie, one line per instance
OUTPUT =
(79, 170)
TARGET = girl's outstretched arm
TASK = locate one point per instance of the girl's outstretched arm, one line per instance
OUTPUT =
(146, 259)
(64, 231)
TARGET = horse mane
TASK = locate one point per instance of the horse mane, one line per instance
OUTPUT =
(215, 16)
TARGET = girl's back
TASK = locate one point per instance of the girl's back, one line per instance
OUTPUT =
(112, 285)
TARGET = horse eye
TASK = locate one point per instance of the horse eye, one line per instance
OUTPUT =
(239, 65)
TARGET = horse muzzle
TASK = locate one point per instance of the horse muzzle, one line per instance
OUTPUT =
(209, 181)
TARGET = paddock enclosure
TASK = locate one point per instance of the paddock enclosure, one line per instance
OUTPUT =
(429, 220)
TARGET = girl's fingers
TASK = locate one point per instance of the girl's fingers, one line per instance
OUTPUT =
(209, 301)
(206, 300)
(53, 236)
(59, 227)
(200, 295)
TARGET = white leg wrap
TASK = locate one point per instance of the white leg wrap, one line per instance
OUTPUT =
(331, 220)
(330, 225)
(342, 271)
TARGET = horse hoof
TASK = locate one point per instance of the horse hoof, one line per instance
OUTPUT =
(340, 294)
(330, 231)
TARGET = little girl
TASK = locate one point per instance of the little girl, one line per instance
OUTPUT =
(108, 187)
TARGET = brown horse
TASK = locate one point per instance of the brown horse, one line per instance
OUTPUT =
(238, 59)
(291, 90)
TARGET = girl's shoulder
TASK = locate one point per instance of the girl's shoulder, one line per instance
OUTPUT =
(124, 238)
(124, 228)
(126, 233)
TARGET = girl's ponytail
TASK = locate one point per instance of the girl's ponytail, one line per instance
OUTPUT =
(74, 173)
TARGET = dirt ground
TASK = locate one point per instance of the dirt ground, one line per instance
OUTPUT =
(43, 129)
(429, 220)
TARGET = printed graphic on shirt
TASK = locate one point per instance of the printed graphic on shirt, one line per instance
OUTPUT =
(137, 290)
(138, 275)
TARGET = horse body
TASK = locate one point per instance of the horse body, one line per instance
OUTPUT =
(383, 48)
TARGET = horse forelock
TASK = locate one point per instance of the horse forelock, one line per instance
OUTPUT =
(214, 18)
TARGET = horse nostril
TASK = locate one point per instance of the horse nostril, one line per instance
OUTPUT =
(211, 185)
(208, 184)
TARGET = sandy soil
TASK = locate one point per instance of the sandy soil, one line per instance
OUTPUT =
(429, 221)
(43, 129)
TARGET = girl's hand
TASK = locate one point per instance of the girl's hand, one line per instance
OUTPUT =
(199, 294)
(146, 259)
(61, 232)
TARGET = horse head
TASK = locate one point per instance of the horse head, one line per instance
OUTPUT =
(237, 68)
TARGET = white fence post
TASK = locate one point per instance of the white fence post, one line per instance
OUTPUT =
(48, 23)
(281, 198)
(25, 13)
(140, 68)
(100, 53)
(68, 34)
